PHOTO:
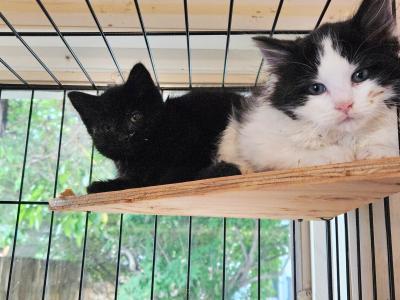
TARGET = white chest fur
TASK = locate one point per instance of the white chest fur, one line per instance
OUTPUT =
(268, 139)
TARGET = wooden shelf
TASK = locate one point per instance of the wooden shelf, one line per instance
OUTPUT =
(306, 193)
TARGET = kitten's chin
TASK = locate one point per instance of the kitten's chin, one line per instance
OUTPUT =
(341, 125)
(350, 124)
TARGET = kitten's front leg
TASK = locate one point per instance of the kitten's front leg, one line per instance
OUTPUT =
(110, 185)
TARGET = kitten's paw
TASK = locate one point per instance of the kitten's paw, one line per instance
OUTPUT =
(111, 185)
(220, 169)
(98, 187)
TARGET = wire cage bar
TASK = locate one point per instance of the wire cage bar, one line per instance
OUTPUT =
(333, 273)
(271, 34)
(17, 35)
(89, 5)
(228, 37)
(54, 194)
(13, 72)
(144, 33)
(154, 33)
(43, 8)
(185, 7)
(20, 195)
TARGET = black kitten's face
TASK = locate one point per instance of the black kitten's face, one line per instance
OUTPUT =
(120, 120)
(343, 74)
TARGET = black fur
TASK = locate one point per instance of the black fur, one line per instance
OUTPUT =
(367, 39)
(168, 141)
(219, 169)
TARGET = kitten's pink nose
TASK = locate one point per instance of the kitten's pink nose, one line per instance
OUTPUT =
(344, 106)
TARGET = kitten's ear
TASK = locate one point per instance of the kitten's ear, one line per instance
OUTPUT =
(139, 78)
(274, 51)
(376, 17)
(141, 85)
(85, 104)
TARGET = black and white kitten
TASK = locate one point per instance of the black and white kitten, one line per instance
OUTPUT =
(330, 97)
(154, 142)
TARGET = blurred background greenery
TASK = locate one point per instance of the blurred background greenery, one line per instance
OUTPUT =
(103, 229)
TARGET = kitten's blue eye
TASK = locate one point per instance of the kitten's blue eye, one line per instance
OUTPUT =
(317, 89)
(360, 76)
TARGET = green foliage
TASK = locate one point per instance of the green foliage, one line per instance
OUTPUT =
(103, 229)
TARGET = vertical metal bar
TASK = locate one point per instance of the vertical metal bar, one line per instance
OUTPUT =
(139, 14)
(83, 256)
(121, 222)
(13, 71)
(21, 187)
(43, 8)
(54, 195)
(392, 290)
(18, 36)
(223, 258)
(321, 16)
(337, 258)
(228, 37)
(387, 205)
(154, 258)
(329, 258)
(373, 263)
(188, 41)
(259, 259)
(104, 38)
(277, 14)
(47, 256)
(346, 235)
(85, 233)
(294, 260)
(360, 293)
(189, 259)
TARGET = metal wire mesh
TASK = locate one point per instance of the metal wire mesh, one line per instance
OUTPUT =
(228, 33)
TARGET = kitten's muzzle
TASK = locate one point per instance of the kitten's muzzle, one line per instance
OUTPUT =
(344, 107)
(126, 137)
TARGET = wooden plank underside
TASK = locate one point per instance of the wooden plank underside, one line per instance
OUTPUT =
(307, 193)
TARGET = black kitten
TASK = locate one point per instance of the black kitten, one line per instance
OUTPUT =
(154, 142)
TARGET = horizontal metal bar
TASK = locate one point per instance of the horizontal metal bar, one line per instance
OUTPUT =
(152, 33)
(88, 87)
(12, 86)
(16, 202)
